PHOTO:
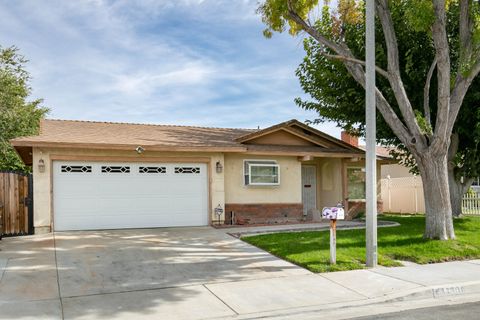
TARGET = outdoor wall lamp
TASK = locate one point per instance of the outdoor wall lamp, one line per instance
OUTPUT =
(139, 149)
(218, 167)
(41, 165)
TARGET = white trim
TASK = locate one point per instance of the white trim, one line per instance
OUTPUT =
(272, 163)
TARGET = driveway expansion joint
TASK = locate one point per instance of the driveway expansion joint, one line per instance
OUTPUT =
(221, 300)
(4, 269)
(58, 276)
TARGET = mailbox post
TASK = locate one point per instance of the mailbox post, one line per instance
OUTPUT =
(334, 214)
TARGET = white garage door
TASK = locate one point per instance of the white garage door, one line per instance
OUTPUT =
(96, 195)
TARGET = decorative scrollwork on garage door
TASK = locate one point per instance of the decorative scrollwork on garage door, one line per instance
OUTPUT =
(115, 169)
(78, 169)
(152, 170)
(187, 170)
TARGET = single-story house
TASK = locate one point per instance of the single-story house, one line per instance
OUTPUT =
(103, 175)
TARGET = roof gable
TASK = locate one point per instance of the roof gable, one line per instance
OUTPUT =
(281, 137)
(300, 131)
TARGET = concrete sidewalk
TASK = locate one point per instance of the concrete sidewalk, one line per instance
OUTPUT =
(293, 293)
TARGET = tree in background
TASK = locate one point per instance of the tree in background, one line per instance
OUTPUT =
(425, 135)
(338, 97)
(18, 116)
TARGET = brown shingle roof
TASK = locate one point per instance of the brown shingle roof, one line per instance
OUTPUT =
(89, 133)
(383, 152)
(127, 136)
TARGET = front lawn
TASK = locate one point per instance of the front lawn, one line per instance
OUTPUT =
(310, 249)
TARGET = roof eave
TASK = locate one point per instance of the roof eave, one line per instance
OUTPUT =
(301, 154)
(131, 147)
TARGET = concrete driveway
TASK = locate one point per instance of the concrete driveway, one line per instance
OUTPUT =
(127, 273)
(193, 273)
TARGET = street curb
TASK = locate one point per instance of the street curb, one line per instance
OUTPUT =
(437, 291)
(423, 293)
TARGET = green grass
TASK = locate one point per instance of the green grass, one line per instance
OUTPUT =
(310, 249)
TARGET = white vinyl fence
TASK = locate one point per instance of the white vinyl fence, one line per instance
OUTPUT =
(404, 195)
(471, 203)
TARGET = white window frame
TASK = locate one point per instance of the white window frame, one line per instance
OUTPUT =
(258, 163)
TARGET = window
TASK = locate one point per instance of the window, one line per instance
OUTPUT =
(79, 169)
(356, 183)
(261, 173)
(476, 182)
(187, 170)
(152, 170)
(115, 169)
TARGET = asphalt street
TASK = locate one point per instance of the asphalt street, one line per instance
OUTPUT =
(459, 311)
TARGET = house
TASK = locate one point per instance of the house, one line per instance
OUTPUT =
(103, 175)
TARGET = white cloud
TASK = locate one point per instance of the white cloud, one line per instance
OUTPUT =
(201, 62)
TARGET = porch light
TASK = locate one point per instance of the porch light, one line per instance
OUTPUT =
(41, 165)
(219, 167)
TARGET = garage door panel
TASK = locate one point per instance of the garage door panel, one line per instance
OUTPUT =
(144, 195)
(115, 204)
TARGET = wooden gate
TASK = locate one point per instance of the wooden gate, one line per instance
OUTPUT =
(16, 204)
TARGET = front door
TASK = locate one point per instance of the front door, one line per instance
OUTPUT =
(309, 188)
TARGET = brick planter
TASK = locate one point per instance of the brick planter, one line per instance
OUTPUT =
(264, 213)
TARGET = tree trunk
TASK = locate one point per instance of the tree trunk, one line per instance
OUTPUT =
(438, 210)
(457, 187)
(457, 190)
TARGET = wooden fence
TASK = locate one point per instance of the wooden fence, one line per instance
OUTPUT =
(16, 204)
(471, 203)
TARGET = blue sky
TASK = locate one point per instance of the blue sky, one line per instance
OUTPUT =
(189, 62)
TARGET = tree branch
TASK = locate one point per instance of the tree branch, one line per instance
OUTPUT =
(465, 30)
(462, 81)
(439, 34)
(426, 93)
(360, 62)
(453, 148)
(395, 79)
(358, 73)
(459, 91)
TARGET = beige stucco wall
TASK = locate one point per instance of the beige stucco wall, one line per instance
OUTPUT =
(43, 180)
(289, 190)
(225, 187)
(329, 180)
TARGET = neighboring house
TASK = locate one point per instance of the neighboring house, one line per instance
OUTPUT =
(401, 191)
(102, 175)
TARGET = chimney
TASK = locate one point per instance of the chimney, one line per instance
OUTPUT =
(351, 140)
